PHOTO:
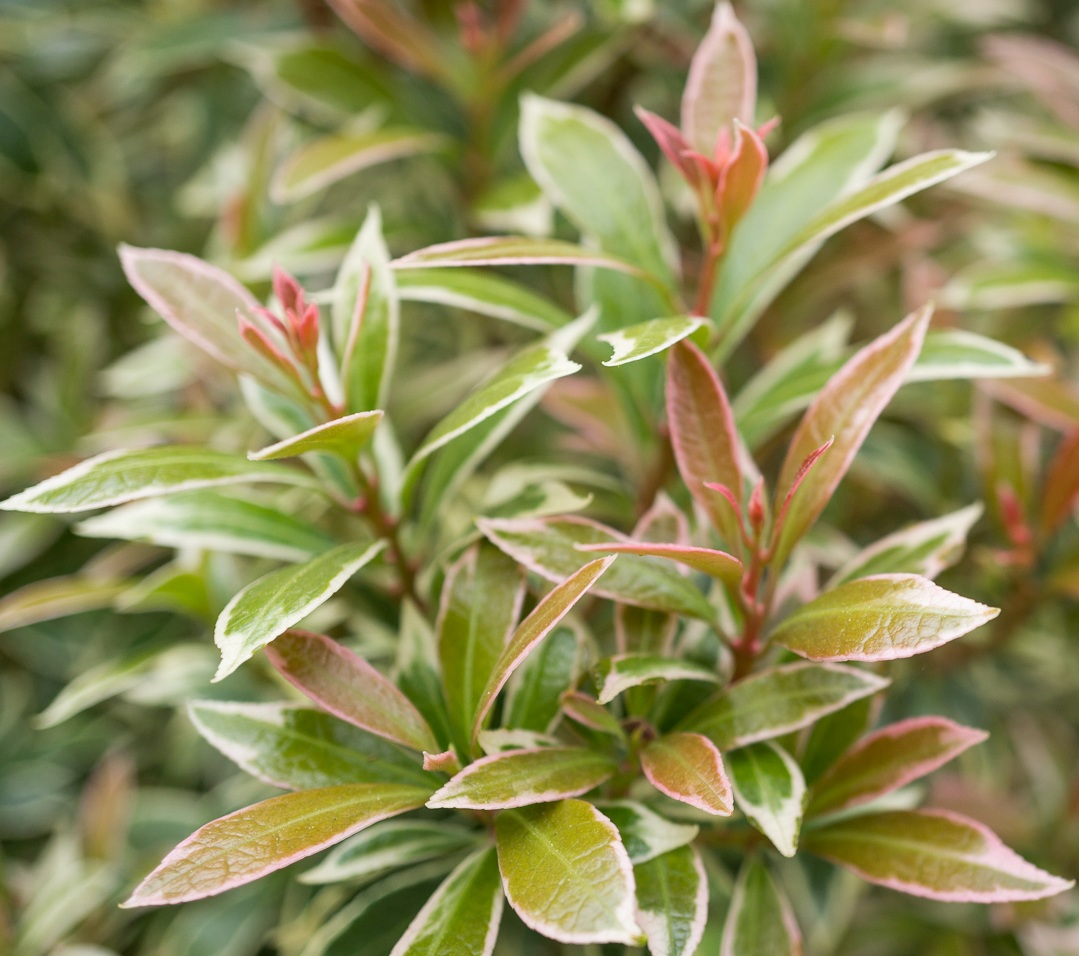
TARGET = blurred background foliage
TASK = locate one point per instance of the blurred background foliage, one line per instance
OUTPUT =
(259, 133)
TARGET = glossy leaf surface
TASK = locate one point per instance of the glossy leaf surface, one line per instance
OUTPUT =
(770, 791)
(509, 251)
(615, 675)
(672, 901)
(645, 834)
(648, 338)
(344, 437)
(689, 768)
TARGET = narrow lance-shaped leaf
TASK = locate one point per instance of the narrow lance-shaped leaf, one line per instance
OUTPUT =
(889, 759)
(267, 836)
(645, 834)
(704, 437)
(346, 685)
(566, 873)
(272, 604)
(672, 901)
(844, 411)
(688, 768)
(770, 791)
(534, 628)
(718, 564)
(615, 675)
(933, 853)
(510, 251)
(778, 701)
(519, 778)
(722, 82)
(1061, 487)
(462, 917)
(535, 693)
(880, 618)
(344, 437)
(760, 921)
(959, 354)
(117, 477)
(648, 338)
(298, 748)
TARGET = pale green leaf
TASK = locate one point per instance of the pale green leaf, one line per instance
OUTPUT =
(648, 338)
(510, 251)
(645, 834)
(615, 675)
(770, 790)
(53, 598)
(535, 693)
(760, 921)
(344, 437)
(956, 353)
(672, 901)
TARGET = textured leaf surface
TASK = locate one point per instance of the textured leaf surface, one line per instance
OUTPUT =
(549, 547)
(760, 921)
(615, 675)
(270, 605)
(344, 437)
(718, 564)
(462, 917)
(519, 778)
(267, 836)
(844, 411)
(645, 834)
(566, 873)
(880, 618)
(889, 759)
(205, 520)
(770, 791)
(346, 685)
(298, 748)
(932, 853)
(648, 338)
(775, 702)
(120, 476)
(689, 768)
(672, 902)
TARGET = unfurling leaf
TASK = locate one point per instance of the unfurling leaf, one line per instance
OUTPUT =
(566, 873)
(880, 618)
(689, 768)
(760, 921)
(770, 790)
(346, 685)
(267, 836)
(672, 901)
(933, 853)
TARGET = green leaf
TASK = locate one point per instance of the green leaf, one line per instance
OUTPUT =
(889, 759)
(648, 338)
(566, 873)
(645, 834)
(688, 768)
(52, 598)
(207, 521)
(462, 917)
(481, 602)
(760, 921)
(935, 854)
(672, 901)
(481, 292)
(391, 846)
(519, 778)
(267, 836)
(590, 171)
(347, 686)
(588, 712)
(345, 437)
(830, 737)
(534, 628)
(365, 318)
(320, 77)
(718, 564)
(615, 675)
(778, 701)
(417, 670)
(926, 548)
(958, 354)
(270, 605)
(297, 748)
(988, 284)
(549, 548)
(770, 791)
(843, 412)
(535, 694)
(880, 618)
(510, 251)
(120, 476)
(329, 159)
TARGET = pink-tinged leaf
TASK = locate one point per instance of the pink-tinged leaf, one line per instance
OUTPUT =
(800, 476)
(1061, 488)
(935, 854)
(672, 901)
(519, 778)
(267, 836)
(566, 873)
(880, 618)
(889, 759)
(589, 712)
(445, 762)
(743, 177)
(718, 564)
(344, 437)
(347, 686)
(760, 921)
(534, 628)
(722, 81)
(704, 438)
(845, 409)
(668, 137)
(689, 768)
(200, 302)
(395, 33)
(510, 251)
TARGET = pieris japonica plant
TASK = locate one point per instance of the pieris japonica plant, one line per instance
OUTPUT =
(623, 698)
